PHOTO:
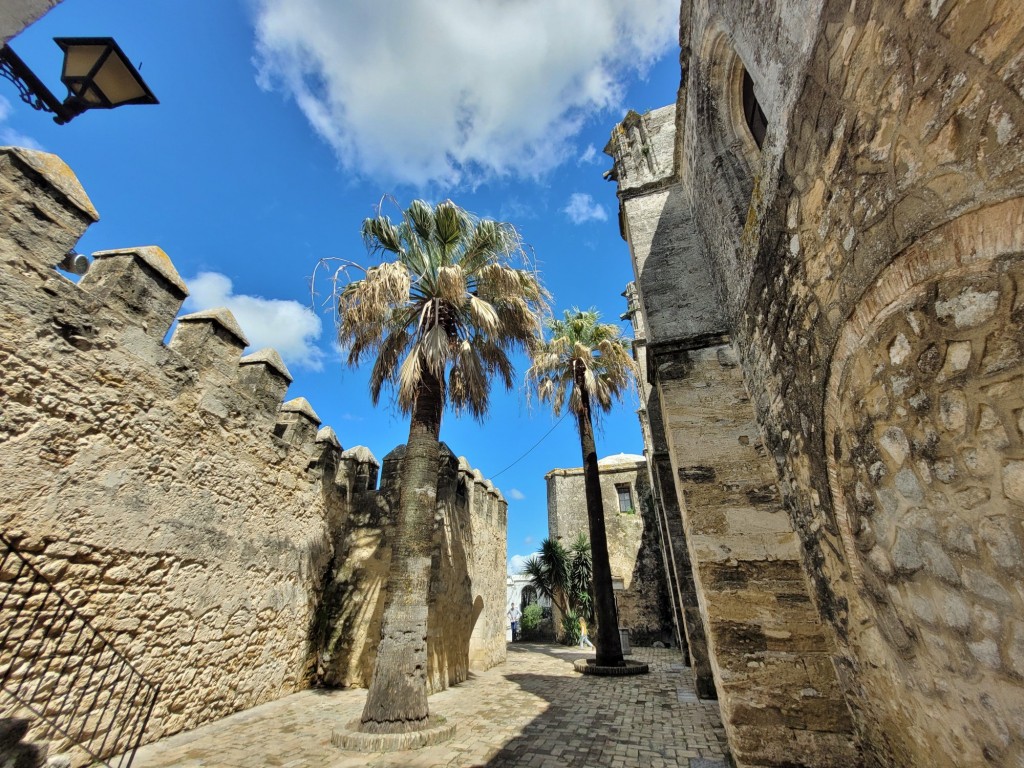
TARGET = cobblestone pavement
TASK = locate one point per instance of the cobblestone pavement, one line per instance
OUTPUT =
(534, 710)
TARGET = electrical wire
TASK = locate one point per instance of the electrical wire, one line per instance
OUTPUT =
(534, 446)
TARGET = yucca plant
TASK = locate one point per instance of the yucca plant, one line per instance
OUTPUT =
(581, 577)
(549, 573)
(454, 297)
(564, 576)
(586, 365)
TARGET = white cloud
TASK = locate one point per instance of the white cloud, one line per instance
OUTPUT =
(288, 326)
(11, 137)
(514, 211)
(516, 563)
(581, 208)
(515, 494)
(461, 90)
(589, 156)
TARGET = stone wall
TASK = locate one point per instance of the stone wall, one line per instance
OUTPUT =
(170, 495)
(466, 623)
(18, 14)
(868, 259)
(634, 545)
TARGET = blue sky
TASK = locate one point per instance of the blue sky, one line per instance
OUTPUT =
(283, 123)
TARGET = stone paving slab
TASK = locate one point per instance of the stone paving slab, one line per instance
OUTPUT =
(534, 711)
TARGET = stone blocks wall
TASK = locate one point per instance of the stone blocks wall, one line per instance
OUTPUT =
(906, 129)
(173, 498)
(144, 481)
(868, 257)
(777, 689)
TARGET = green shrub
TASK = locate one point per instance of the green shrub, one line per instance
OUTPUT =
(532, 615)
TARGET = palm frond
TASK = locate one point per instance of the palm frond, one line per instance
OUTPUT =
(380, 234)
(454, 280)
(421, 219)
(581, 356)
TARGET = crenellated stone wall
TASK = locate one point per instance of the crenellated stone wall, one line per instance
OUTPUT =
(214, 534)
(865, 261)
(466, 624)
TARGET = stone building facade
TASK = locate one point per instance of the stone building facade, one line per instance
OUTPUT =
(222, 539)
(827, 234)
(634, 540)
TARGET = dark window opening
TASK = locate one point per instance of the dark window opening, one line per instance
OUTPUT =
(625, 498)
(752, 112)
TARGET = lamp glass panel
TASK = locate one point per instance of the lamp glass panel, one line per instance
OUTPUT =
(80, 59)
(117, 82)
(89, 94)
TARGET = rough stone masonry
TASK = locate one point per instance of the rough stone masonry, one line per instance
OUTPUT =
(218, 537)
(827, 233)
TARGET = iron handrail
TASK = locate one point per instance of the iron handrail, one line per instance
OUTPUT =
(44, 628)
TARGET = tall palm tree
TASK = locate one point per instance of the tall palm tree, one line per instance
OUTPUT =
(440, 319)
(587, 364)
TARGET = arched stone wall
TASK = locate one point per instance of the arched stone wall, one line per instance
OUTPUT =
(924, 433)
(722, 99)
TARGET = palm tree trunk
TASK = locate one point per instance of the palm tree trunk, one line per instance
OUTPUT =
(397, 699)
(609, 645)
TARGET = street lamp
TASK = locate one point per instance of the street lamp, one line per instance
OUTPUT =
(96, 72)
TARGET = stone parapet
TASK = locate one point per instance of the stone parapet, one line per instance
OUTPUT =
(145, 479)
(466, 620)
(212, 340)
(45, 209)
(264, 375)
(139, 282)
(297, 422)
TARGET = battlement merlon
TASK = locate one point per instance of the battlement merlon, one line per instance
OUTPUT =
(45, 209)
(142, 283)
(297, 422)
(211, 340)
(363, 468)
(264, 375)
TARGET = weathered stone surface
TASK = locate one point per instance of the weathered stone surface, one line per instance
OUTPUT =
(196, 520)
(765, 638)
(18, 14)
(634, 545)
(869, 258)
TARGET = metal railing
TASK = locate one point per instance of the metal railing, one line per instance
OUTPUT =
(55, 664)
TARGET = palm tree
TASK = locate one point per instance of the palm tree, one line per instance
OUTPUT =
(585, 364)
(440, 320)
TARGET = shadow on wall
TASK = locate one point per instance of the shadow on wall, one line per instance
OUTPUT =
(649, 570)
(450, 618)
(348, 620)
